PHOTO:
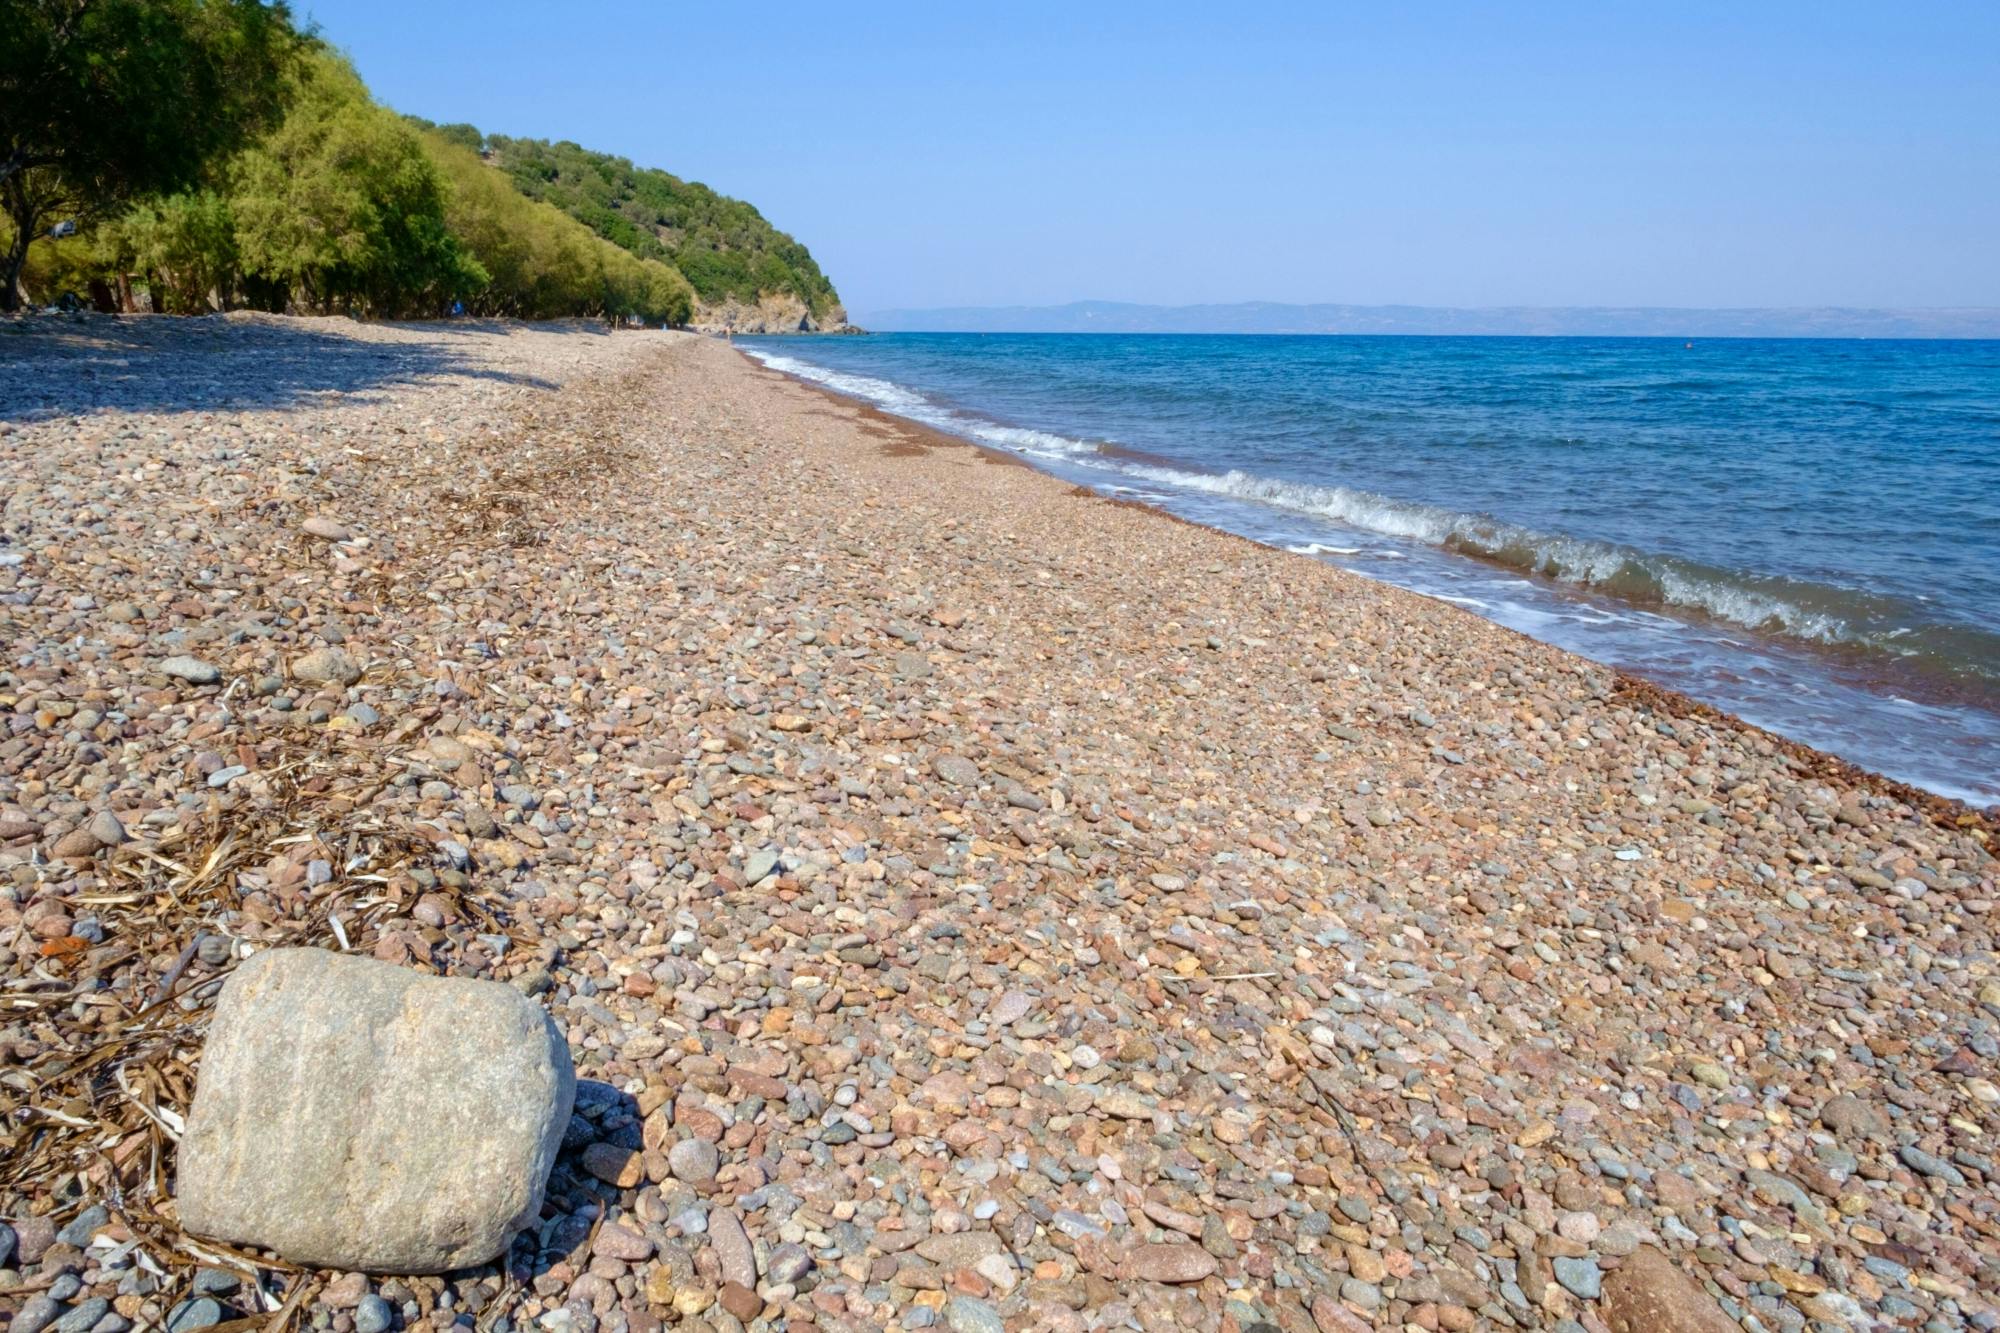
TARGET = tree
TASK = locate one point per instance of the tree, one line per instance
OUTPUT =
(106, 101)
(343, 203)
(185, 244)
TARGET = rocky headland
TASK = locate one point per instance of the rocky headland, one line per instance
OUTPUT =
(772, 313)
(967, 903)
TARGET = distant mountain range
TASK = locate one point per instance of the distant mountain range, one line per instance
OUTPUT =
(1543, 321)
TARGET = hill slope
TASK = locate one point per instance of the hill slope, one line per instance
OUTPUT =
(747, 275)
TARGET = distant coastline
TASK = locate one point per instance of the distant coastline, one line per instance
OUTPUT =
(1271, 317)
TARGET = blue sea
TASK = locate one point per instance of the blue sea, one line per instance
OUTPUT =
(1803, 532)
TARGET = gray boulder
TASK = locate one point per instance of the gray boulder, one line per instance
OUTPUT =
(354, 1115)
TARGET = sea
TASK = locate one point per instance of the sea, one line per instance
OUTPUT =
(1803, 532)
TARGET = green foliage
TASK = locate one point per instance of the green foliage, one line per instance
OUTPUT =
(344, 203)
(465, 136)
(340, 204)
(186, 244)
(57, 267)
(541, 263)
(723, 246)
(111, 100)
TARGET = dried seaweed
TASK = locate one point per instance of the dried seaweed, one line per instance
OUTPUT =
(95, 1109)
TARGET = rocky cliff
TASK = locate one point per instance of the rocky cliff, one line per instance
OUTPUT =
(771, 314)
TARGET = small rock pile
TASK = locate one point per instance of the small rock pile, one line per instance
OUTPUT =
(968, 904)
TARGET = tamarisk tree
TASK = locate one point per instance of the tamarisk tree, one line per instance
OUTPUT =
(103, 102)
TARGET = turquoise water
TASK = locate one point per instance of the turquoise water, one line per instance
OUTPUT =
(1805, 532)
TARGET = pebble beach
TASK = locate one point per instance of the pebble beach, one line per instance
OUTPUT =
(970, 903)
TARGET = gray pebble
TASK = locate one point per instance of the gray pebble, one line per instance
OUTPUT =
(1364, 1294)
(373, 1315)
(84, 1226)
(35, 1315)
(694, 1161)
(966, 1314)
(84, 1317)
(195, 1313)
(191, 669)
(1580, 1276)
(1924, 1164)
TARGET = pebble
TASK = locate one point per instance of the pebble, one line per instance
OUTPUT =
(1852, 1117)
(740, 1301)
(84, 1316)
(969, 1314)
(36, 1313)
(197, 1313)
(1170, 1262)
(85, 1225)
(1928, 1164)
(789, 1263)
(104, 827)
(618, 1242)
(959, 857)
(956, 770)
(191, 669)
(614, 1165)
(694, 1161)
(1583, 1228)
(1579, 1276)
(372, 1314)
(732, 1248)
(326, 666)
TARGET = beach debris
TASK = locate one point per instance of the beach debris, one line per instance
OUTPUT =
(417, 1116)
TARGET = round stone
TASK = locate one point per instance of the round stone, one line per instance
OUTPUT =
(694, 1161)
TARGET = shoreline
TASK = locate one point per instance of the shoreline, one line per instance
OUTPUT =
(1948, 811)
(1036, 915)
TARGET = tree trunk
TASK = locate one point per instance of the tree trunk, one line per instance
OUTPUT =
(16, 258)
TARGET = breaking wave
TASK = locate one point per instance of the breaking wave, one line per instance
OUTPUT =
(1830, 616)
(1818, 613)
(908, 403)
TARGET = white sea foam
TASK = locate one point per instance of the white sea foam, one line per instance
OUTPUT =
(1037, 442)
(891, 397)
(1580, 561)
(883, 393)
(1629, 575)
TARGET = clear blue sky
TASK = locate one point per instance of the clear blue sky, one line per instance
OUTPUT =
(1690, 154)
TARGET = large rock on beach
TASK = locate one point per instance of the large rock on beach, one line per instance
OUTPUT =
(351, 1114)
